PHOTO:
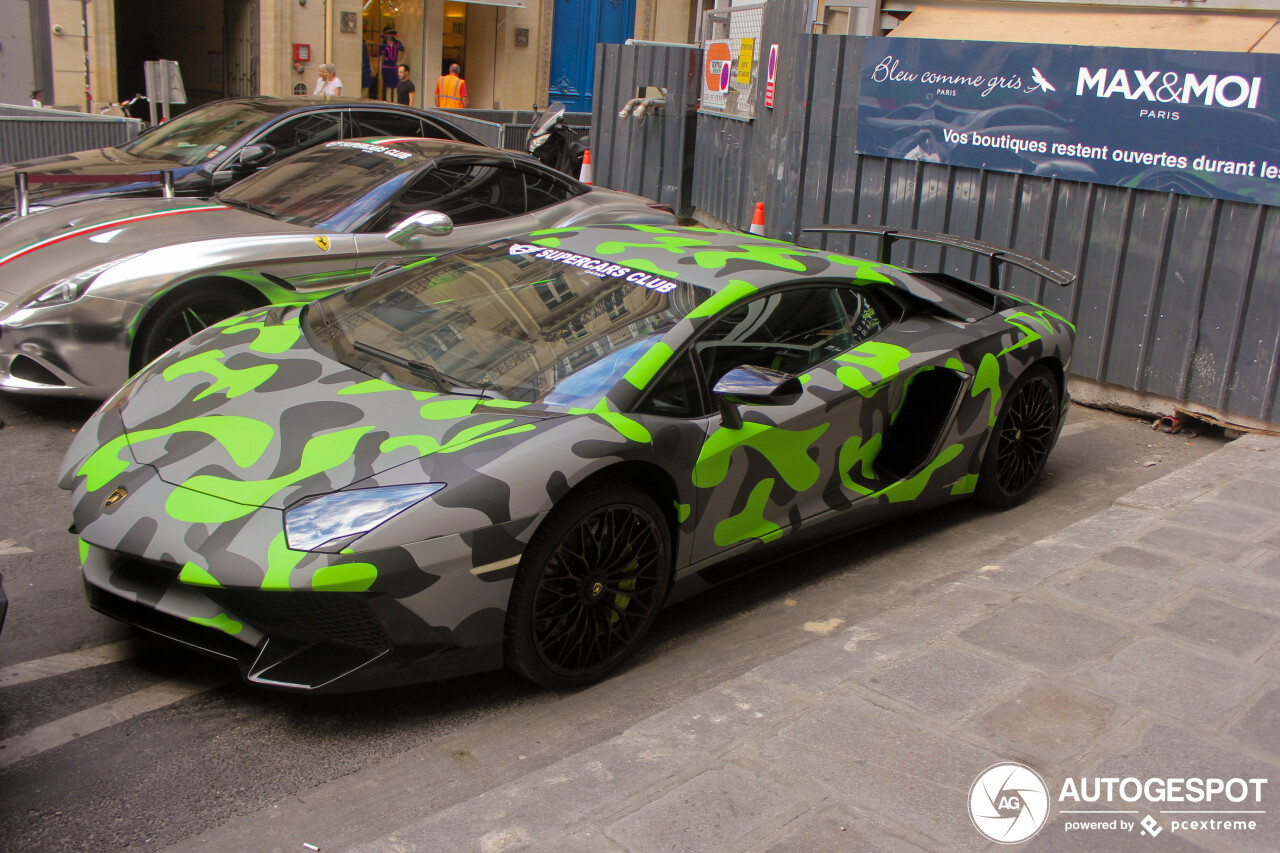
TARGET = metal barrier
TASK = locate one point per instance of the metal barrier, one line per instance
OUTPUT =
(509, 129)
(28, 133)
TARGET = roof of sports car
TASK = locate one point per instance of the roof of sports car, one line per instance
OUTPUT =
(717, 260)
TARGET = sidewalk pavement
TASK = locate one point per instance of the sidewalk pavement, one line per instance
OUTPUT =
(1143, 642)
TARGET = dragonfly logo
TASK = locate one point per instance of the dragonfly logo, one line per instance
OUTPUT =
(1009, 803)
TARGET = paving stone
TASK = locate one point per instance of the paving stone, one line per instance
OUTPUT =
(1258, 442)
(1271, 659)
(835, 830)
(1181, 486)
(1030, 566)
(546, 802)
(1219, 625)
(1271, 538)
(1105, 528)
(882, 762)
(1172, 680)
(1141, 560)
(1268, 565)
(816, 667)
(1220, 518)
(1047, 721)
(1044, 635)
(1260, 725)
(1165, 752)
(1186, 542)
(711, 811)
(1253, 494)
(874, 642)
(585, 841)
(943, 681)
(1267, 474)
(717, 717)
(1229, 584)
(1116, 592)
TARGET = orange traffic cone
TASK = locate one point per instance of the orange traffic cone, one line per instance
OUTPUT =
(585, 177)
(757, 220)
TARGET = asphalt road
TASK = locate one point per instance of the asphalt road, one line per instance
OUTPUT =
(111, 741)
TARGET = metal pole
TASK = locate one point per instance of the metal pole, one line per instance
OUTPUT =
(20, 188)
(166, 183)
(84, 23)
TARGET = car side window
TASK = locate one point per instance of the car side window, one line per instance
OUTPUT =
(387, 123)
(677, 393)
(300, 133)
(466, 192)
(865, 319)
(789, 330)
(543, 191)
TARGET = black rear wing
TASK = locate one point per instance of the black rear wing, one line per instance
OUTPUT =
(996, 255)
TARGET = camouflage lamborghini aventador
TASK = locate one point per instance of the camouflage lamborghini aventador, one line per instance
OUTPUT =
(517, 453)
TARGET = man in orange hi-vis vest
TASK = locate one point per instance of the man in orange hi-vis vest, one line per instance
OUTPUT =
(451, 90)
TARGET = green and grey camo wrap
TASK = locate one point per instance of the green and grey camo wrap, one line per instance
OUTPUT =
(215, 441)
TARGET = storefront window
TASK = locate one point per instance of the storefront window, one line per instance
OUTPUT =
(395, 32)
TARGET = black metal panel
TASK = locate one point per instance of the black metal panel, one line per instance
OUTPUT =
(1257, 366)
(1178, 307)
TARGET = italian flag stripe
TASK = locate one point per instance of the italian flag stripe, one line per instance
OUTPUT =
(102, 226)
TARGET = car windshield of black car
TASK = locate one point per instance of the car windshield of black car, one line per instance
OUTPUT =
(199, 135)
(534, 329)
(334, 186)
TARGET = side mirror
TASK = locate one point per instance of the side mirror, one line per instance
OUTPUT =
(754, 386)
(255, 155)
(426, 223)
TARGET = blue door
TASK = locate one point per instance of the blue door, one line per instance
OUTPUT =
(577, 27)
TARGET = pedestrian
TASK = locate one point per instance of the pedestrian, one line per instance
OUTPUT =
(328, 83)
(406, 90)
(389, 52)
(451, 89)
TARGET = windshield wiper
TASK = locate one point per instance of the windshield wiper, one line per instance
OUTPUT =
(246, 205)
(443, 381)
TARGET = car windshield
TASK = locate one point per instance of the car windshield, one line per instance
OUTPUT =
(509, 319)
(335, 186)
(202, 133)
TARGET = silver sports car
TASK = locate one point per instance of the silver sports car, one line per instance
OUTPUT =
(91, 292)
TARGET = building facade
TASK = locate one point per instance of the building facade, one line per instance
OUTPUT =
(512, 56)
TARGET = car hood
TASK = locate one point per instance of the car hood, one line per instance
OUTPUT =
(50, 245)
(97, 161)
(250, 413)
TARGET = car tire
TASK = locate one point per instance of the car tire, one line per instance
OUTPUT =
(589, 586)
(173, 323)
(1024, 434)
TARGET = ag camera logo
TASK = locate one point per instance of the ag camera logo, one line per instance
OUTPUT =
(1008, 802)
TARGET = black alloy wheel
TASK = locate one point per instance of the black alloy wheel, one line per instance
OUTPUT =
(590, 586)
(1020, 443)
(192, 312)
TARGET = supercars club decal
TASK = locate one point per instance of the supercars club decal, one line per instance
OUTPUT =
(370, 148)
(602, 269)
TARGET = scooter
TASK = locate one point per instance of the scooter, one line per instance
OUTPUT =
(553, 143)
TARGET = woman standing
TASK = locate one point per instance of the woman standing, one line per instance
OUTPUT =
(329, 84)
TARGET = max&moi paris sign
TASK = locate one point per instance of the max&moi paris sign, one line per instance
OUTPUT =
(1193, 122)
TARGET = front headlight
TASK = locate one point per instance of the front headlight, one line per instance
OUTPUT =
(71, 289)
(331, 522)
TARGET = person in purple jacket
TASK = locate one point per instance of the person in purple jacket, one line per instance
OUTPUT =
(389, 52)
